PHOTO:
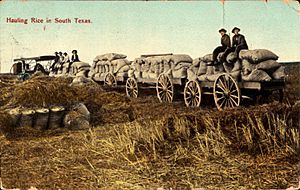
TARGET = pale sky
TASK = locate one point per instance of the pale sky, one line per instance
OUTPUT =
(139, 27)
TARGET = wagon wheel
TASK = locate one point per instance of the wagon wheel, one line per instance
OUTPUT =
(226, 92)
(132, 88)
(110, 80)
(192, 94)
(164, 88)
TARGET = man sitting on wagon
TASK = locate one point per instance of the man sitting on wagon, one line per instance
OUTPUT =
(53, 67)
(74, 58)
(225, 41)
(238, 42)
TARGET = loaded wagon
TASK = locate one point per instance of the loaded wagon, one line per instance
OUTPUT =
(109, 69)
(163, 72)
(248, 77)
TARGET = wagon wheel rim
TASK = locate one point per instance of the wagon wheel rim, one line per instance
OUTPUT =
(192, 94)
(110, 80)
(226, 92)
(164, 88)
(132, 88)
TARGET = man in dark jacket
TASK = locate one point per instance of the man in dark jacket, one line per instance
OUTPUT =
(238, 41)
(74, 57)
(225, 42)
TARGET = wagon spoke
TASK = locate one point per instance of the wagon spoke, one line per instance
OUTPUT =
(234, 96)
(219, 86)
(222, 103)
(236, 104)
(221, 82)
(219, 92)
(231, 104)
(218, 99)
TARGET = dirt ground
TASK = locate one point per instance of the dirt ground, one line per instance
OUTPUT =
(143, 144)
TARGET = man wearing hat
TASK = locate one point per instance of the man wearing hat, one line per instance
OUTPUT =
(238, 41)
(225, 42)
(74, 57)
(56, 60)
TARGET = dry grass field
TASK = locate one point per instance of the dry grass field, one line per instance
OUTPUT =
(143, 144)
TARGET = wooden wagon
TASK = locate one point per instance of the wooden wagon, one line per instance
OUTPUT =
(226, 91)
(110, 73)
(164, 83)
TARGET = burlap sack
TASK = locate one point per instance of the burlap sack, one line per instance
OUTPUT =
(257, 75)
(118, 64)
(231, 58)
(15, 115)
(279, 74)
(56, 117)
(123, 69)
(247, 67)
(202, 77)
(236, 75)
(145, 67)
(109, 57)
(257, 55)
(212, 77)
(191, 75)
(196, 62)
(41, 119)
(80, 64)
(202, 68)
(182, 65)
(27, 118)
(81, 74)
(208, 58)
(145, 74)
(177, 58)
(237, 66)
(269, 66)
(180, 73)
(210, 70)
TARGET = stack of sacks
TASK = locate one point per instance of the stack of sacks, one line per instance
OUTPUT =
(260, 65)
(152, 67)
(177, 65)
(109, 63)
(80, 70)
(203, 69)
(136, 68)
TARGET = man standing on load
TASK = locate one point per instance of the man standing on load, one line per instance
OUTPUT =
(238, 41)
(225, 41)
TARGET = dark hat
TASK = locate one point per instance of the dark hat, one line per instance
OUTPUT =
(222, 30)
(74, 51)
(65, 53)
(56, 52)
(235, 28)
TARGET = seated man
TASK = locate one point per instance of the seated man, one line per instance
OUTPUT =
(238, 43)
(225, 42)
(74, 58)
(53, 67)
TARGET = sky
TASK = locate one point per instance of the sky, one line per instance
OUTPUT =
(134, 28)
